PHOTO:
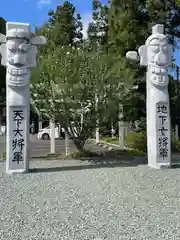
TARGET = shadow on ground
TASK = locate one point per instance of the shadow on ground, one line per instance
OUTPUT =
(112, 159)
(108, 159)
(175, 166)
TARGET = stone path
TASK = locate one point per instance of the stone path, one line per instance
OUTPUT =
(79, 200)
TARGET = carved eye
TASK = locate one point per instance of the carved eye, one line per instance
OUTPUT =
(164, 48)
(23, 51)
(12, 50)
(155, 49)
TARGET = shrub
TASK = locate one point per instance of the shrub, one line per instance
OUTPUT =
(4, 156)
(137, 141)
(175, 144)
(110, 139)
(79, 154)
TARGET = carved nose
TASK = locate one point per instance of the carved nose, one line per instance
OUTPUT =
(161, 59)
(17, 59)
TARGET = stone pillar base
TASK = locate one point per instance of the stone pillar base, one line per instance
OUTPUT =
(159, 166)
(16, 171)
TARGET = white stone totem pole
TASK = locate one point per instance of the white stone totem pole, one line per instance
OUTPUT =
(18, 50)
(157, 54)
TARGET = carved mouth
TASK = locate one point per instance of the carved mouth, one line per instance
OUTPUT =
(155, 69)
(17, 71)
(17, 76)
(160, 80)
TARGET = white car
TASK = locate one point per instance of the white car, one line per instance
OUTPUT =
(3, 130)
(45, 133)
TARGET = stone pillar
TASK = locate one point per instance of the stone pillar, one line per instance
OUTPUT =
(97, 118)
(52, 137)
(66, 143)
(18, 55)
(113, 131)
(157, 54)
(97, 131)
(121, 127)
(39, 125)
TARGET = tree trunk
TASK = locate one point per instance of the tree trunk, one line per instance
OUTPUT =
(39, 125)
(79, 143)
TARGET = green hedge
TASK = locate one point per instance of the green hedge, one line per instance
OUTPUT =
(138, 141)
(175, 144)
(110, 139)
(4, 155)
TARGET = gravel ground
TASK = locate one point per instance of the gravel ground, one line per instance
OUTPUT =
(74, 200)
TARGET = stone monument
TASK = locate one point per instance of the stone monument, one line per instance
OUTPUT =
(18, 50)
(157, 55)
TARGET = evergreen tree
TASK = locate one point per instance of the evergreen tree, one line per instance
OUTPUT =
(66, 26)
(98, 28)
(130, 23)
(166, 12)
(127, 25)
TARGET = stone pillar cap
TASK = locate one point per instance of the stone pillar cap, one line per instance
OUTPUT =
(158, 28)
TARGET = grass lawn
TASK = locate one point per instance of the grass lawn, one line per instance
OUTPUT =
(113, 140)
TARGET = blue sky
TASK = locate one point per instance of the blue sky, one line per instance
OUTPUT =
(35, 12)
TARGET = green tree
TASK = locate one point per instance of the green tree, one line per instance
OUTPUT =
(66, 92)
(62, 28)
(66, 26)
(68, 80)
(166, 12)
(174, 96)
(129, 24)
(131, 21)
(101, 39)
(98, 28)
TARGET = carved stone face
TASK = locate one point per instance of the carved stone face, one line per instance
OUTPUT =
(17, 51)
(158, 59)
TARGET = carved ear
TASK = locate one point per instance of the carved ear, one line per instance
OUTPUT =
(132, 55)
(2, 38)
(32, 56)
(143, 55)
(38, 40)
(3, 54)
